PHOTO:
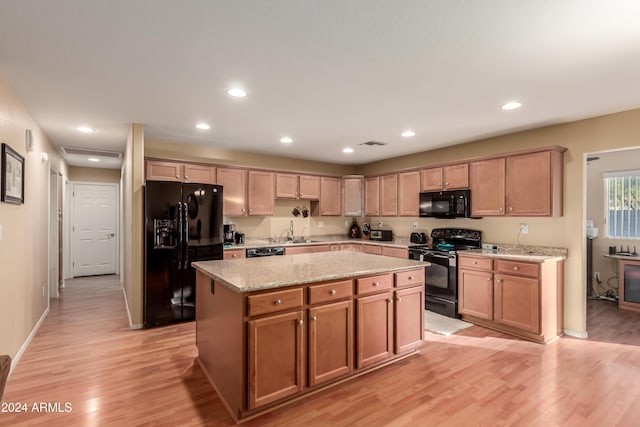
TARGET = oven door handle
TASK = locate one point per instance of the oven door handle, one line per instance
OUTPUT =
(437, 256)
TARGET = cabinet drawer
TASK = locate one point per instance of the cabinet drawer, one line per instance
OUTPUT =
(395, 252)
(374, 283)
(519, 268)
(473, 262)
(274, 301)
(235, 254)
(372, 249)
(408, 278)
(330, 291)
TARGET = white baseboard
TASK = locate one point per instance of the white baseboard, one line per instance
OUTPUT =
(126, 305)
(16, 359)
(574, 334)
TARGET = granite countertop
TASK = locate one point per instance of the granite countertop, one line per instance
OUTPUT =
(400, 242)
(522, 253)
(254, 274)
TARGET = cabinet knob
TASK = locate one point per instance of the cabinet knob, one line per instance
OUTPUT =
(186, 177)
(398, 299)
(375, 284)
(488, 279)
(332, 292)
(389, 300)
(475, 262)
(234, 255)
(277, 302)
(516, 268)
(410, 277)
(446, 184)
(177, 176)
(300, 322)
(500, 209)
(314, 318)
(510, 208)
(301, 194)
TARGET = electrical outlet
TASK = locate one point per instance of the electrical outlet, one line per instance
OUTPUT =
(415, 225)
(320, 224)
(596, 275)
(346, 223)
(379, 224)
(487, 246)
(524, 228)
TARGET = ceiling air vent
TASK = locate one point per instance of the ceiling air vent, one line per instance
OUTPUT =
(91, 153)
(372, 143)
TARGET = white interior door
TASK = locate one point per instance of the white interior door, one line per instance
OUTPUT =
(94, 237)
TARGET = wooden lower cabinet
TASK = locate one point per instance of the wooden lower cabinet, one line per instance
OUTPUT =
(375, 329)
(276, 346)
(516, 297)
(408, 318)
(330, 341)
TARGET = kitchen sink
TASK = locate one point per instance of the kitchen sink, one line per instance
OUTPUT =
(298, 241)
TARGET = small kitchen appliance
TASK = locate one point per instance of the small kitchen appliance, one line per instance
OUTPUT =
(381, 235)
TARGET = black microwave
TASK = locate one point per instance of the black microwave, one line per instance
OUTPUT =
(446, 204)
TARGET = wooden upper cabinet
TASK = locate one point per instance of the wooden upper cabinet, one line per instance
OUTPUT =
(456, 176)
(389, 195)
(291, 186)
(408, 193)
(179, 172)
(261, 193)
(432, 179)
(352, 195)
(534, 184)
(487, 179)
(287, 186)
(163, 171)
(372, 196)
(330, 196)
(234, 183)
(309, 187)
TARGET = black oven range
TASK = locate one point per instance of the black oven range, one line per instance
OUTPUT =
(441, 276)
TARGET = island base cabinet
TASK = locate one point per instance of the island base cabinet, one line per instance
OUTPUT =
(330, 341)
(409, 318)
(275, 358)
(375, 329)
(517, 302)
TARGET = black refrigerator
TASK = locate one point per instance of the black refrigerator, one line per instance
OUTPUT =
(183, 224)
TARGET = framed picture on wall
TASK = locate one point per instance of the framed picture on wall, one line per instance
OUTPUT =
(12, 176)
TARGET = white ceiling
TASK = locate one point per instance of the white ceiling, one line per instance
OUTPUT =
(327, 73)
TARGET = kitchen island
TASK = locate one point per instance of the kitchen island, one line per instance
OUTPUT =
(271, 330)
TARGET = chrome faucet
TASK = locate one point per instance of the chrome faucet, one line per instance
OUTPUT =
(290, 235)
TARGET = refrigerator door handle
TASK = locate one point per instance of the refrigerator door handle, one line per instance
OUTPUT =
(185, 224)
(180, 227)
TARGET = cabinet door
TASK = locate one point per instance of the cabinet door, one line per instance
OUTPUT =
(286, 186)
(261, 193)
(394, 252)
(375, 329)
(528, 184)
(330, 196)
(163, 171)
(475, 289)
(487, 179)
(330, 341)
(432, 179)
(517, 302)
(200, 174)
(275, 358)
(234, 183)
(456, 176)
(352, 196)
(389, 195)
(409, 318)
(372, 196)
(408, 193)
(309, 187)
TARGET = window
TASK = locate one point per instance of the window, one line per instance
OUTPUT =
(622, 192)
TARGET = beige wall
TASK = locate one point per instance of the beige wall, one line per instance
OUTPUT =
(586, 136)
(609, 162)
(25, 233)
(80, 174)
(133, 225)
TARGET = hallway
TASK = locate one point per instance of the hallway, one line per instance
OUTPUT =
(85, 355)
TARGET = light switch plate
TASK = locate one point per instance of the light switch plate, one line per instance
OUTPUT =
(0, 232)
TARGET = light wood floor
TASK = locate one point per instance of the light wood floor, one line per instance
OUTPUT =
(85, 354)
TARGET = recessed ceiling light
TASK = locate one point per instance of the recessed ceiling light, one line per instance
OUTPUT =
(347, 150)
(236, 92)
(408, 133)
(84, 129)
(93, 159)
(511, 105)
(286, 140)
(203, 126)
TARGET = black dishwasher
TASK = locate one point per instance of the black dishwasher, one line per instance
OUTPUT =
(260, 252)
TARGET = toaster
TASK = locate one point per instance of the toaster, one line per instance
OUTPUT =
(419, 238)
(382, 235)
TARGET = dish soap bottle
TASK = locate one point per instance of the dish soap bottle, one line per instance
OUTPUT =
(354, 231)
